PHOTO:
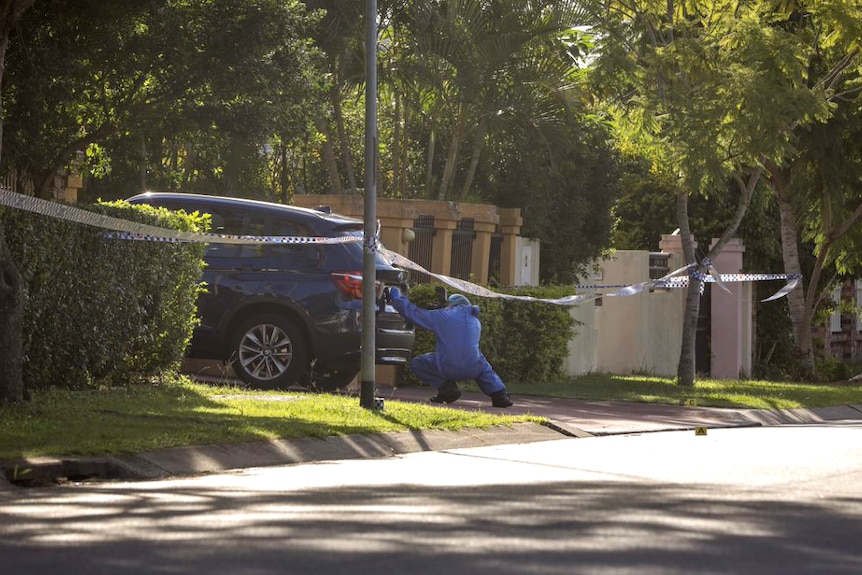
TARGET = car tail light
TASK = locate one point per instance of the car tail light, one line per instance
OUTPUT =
(349, 284)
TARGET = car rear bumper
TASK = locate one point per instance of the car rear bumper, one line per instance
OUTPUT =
(394, 347)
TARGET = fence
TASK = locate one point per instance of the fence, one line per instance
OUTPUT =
(421, 249)
(475, 242)
(462, 249)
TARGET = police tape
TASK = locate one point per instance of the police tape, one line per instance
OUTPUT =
(128, 230)
(682, 282)
(669, 281)
(398, 260)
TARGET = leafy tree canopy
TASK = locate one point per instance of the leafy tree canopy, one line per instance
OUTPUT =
(153, 80)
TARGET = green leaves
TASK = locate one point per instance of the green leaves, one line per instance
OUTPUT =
(524, 342)
(472, 70)
(99, 308)
(169, 89)
(713, 90)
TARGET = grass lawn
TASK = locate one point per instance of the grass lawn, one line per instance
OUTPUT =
(706, 392)
(143, 417)
(178, 412)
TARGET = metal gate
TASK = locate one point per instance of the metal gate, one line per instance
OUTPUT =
(495, 258)
(422, 247)
(462, 249)
(703, 339)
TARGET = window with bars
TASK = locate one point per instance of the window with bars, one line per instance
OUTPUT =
(659, 265)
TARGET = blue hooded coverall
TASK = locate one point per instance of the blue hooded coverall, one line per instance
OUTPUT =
(457, 355)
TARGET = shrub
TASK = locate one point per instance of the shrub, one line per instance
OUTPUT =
(97, 308)
(831, 370)
(524, 341)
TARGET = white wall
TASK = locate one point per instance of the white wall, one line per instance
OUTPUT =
(527, 252)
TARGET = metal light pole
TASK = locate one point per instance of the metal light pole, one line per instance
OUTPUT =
(369, 268)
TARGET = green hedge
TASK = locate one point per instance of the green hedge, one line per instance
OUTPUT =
(99, 309)
(525, 342)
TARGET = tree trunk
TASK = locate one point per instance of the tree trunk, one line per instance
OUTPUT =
(746, 190)
(452, 155)
(405, 158)
(800, 314)
(396, 145)
(795, 299)
(478, 146)
(429, 165)
(11, 322)
(685, 372)
(686, 368)
(344, 144)
(329, 158)
(175, 165)
(4, 44)
(283, 182)
(11, 298)
(144, 165)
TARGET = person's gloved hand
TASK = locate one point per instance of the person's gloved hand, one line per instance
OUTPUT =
(392, 293)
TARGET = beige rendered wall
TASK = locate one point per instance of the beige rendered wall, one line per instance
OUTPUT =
(583, 347)
(643, 333)
(633, 334)
(662, 332)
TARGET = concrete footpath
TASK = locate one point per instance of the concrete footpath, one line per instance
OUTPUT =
(567, 418)
(581, 418)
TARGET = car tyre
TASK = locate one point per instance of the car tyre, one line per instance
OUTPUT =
(269, 352)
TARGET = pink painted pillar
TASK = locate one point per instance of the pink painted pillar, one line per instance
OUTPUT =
(731, 336)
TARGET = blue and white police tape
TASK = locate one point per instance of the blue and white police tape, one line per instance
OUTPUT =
(128, 230)
(398, 260)
(721, 279)
(674, 279)
(229, 239)
(125, 229)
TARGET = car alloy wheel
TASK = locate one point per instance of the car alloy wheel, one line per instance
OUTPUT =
(269, 353)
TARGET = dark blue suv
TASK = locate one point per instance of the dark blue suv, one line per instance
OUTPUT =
(287, 314)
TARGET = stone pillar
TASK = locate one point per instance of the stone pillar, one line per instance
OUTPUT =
(392, 234)
(671, 244)
(731, 325)
(74, 182)
(510, 226)
(441, 253)
(482, 251)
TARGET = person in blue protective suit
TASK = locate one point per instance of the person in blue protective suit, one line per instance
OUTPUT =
(457, 356)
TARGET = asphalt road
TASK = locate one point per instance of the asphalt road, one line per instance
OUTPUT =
(781, 500)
